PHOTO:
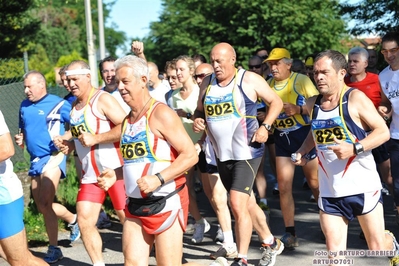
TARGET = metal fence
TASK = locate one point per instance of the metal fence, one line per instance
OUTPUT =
(11, 96)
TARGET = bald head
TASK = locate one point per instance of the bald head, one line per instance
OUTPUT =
(202, 71)
(223, 59)
(154, 80)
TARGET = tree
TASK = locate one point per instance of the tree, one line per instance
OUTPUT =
(63, 28)
(195, 26)
(17, 27)
(371, 16)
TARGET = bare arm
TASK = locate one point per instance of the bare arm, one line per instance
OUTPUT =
(363, 112)
(109, 107)
(166, 124)
(385, 108)
(138, 49)
(6, 147)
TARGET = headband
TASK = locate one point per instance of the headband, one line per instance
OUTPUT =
(82, 71)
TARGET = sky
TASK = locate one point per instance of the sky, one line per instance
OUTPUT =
(134, 16)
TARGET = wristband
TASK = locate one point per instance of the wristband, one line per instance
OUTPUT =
(160, 178)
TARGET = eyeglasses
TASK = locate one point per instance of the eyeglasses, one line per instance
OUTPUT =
(255, 66)
(201, 76)
(392, 51)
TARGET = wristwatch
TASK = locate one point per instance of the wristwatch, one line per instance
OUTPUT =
(358, 148)
(188, 116)
(267, 126)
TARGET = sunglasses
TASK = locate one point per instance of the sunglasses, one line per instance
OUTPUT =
(392, 51)
(202, 75)
(255, 66)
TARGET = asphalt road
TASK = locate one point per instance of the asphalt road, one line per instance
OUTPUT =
(311, 248)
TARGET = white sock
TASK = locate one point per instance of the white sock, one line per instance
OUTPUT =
(74, 220)
(201, 221)
(99, 264)
(269, 240)
(228, 238)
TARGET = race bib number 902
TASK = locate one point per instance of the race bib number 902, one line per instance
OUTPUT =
(219, 109)
(134, 150)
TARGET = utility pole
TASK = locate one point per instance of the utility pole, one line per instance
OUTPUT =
(101, 28)
(91, 51)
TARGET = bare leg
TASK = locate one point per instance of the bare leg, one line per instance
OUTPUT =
(87, 217)
(15, 251)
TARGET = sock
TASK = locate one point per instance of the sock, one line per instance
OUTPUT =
(74, 220)
(269, 240)
(228, 238)
(242, 256)
(99, 264)
(264, 201)
(291, 230)
(201, 221)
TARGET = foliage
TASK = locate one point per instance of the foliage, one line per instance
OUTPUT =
(18, 27)
(195, 26)
(372, 16)
(11, 70)
(63, 28)
(62, 61)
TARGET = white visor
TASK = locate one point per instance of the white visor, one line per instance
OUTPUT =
(82, 71)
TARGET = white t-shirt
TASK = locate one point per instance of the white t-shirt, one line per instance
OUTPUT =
(159, 92)
(10, 185)
(389, 80)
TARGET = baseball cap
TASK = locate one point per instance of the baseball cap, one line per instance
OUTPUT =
(277, 54)
(309, 61)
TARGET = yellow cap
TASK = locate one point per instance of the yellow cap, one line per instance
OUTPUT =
(277, 54)
(309, 61)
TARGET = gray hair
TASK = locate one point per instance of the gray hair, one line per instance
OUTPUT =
(360, 51)
(40, 77)
(287, 60)
(138, 65)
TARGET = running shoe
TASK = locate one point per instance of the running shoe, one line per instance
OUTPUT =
(270, 252)
(199, 230)
(239, 262)
(53, 254)
(394, 261)
(219, 262)
(290, 241)
(75, 232)
(103, 221)
(225, 252)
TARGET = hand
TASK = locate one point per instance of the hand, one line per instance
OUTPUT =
(261, 135)
(137, 48)
(148, 183)
(106, 179)
(290, 109)
(199, 125)
(87, 139)
(297, 159)
(61, 144)
(384, 112)
(19, 139)
(343, 150)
